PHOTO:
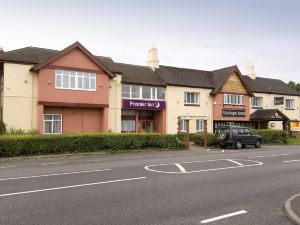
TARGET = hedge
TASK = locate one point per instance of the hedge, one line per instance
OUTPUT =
(198, 139)
(272, 136)
(21, 145)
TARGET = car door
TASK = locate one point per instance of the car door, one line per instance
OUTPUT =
(249, 139)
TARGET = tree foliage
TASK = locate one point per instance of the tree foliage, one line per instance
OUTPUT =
(294, 85)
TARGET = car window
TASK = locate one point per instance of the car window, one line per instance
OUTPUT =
(241, 131)
(222, 130)
(235, 131)
(247, 131)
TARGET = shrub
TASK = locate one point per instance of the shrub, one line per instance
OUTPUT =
(272, 136)
(198, 139)
(20, 145)
(2, 127)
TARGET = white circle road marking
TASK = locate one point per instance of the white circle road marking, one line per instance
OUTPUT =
(183, 170)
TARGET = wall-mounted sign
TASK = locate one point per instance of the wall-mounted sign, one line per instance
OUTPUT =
(234, 113)
(143, 104)
(278, 100)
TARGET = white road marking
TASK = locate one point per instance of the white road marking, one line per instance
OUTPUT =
(54, 163)
(72, 186)
(233, 161)
(53, 174)
(181, 168)
(295, 160)
(224, 216)
(5, 167)
(264, 156)
(255, 163)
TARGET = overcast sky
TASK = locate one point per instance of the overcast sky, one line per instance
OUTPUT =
(203, 34)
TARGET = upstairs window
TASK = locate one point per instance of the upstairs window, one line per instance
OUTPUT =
(233, 99)
(191, 98)
(74, 80)
(143, 92)
(290, 104)
(257, 102)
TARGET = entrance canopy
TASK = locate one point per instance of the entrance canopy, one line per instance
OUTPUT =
(264, 115)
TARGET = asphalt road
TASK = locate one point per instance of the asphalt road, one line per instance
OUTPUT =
(245, 187)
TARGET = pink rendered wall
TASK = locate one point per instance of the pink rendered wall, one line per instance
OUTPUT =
(219, 105)
(75, 60)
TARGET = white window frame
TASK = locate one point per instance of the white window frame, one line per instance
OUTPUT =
(91, 76)
(260, 101)
(233, 99)
(290, 106)
(196, 96)
(153, 93)
(52, 120)
(182, 125)
(198, 121)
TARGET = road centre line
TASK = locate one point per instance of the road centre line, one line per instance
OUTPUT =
(53, 174)
(264, 156)
(71, 186)
(233, 161)
(295, 160)
(223, 216)
(181, 168)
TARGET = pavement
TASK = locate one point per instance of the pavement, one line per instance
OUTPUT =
(246, 187)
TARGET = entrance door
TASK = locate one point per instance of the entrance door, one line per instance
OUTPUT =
(148, 126)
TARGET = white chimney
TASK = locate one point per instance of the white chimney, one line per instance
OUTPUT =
(250, 72)
(153, 61)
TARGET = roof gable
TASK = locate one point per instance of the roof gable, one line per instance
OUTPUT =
(67, 50)
(221, 77)
(268, 115)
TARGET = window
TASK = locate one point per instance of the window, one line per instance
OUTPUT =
(199, 125)
(143, 92)
(246, 131)
(52, 123)
(75, 80)
(290, 104)
(128, 125)
(233, 99)
(257, 102)
(182, 125)
(191, 98)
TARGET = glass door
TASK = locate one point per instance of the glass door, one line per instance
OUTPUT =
(147, 126)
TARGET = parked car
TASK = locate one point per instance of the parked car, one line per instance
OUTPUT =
(237, 136)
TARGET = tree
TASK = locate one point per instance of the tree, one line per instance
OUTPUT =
(294, 85)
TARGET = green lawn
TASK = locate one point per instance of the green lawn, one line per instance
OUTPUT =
(294, 141)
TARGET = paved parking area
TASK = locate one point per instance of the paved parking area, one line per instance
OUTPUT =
(178, 187)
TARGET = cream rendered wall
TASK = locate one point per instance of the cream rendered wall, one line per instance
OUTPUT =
(176, 107)
(268, 103)
(20, 97)
(114, 109)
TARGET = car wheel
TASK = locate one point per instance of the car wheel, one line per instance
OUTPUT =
(238, 144)
(222, 146)
(257, 144)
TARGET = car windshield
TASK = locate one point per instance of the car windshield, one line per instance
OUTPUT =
(222, 130)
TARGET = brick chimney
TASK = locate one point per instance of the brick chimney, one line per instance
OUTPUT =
(250, 72)
(153, 61)
(1, 50)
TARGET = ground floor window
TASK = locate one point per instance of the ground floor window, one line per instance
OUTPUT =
(128, 126)
(199, 125)
(248, 124)
(182, 125)
(52, 123)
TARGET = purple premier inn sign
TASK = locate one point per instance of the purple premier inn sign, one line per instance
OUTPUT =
(143, 104)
